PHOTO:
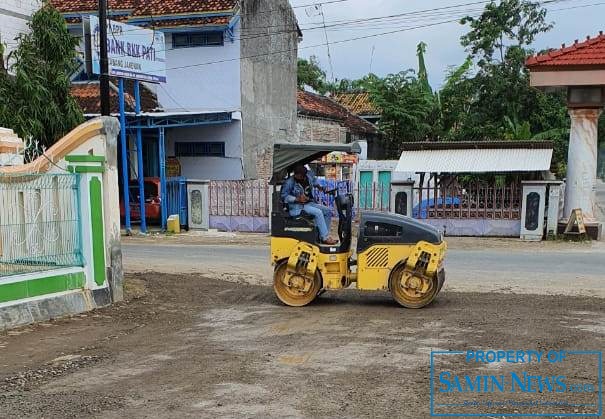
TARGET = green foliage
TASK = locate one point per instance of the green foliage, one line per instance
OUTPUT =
(405, 107)
(423, 76)
(34, 90)
(509, 23)
(516, 131)
(490, 98)
(353, 86)
(311, 74)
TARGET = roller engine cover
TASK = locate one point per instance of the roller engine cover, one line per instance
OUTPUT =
(382, 228)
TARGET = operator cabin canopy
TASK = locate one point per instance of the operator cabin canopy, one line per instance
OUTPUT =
(580, 69)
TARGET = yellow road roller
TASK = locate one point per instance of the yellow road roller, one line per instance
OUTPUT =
(393, 253)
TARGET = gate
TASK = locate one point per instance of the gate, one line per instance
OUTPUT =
(39, 223)
(176, 198)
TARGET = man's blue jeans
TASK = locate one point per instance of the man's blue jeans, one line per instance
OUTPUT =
(322, 216)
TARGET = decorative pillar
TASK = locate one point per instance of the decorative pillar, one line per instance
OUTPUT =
(532, 211)
(402, 197)
(582, 162)
(552, 215)
(198, 202)
(90, 169)
(11, 148)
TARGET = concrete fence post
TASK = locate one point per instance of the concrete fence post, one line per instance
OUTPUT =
(402, 197)
(198, 202)
(90, 169)
(111, 209)
(532, 210)
(554, 204)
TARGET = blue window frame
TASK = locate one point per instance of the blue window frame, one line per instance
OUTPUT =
(199, 149)
(198, 39)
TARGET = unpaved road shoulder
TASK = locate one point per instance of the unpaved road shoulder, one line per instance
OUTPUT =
(187, 346)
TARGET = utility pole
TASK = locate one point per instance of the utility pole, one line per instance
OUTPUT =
(104, 76)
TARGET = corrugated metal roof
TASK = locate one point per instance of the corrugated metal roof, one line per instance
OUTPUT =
(475, 161)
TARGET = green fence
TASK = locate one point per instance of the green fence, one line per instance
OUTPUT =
(39, 223)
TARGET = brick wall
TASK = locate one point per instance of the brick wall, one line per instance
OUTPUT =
(320, 130)
(264, 164)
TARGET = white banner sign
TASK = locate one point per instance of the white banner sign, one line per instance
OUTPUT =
(133, 52)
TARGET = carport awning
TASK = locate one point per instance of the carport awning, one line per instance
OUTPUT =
(474, 158)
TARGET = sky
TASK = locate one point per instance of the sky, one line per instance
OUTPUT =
(572, 19)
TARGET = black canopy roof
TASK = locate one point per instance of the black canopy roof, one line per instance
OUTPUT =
(288, 155)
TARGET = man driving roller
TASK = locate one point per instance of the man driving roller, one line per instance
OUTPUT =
(297, 192)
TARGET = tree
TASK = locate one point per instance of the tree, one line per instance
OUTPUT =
(455, 101)
(34, 90)
(405, 107)
(489, 97)
(311, 74)
(423, 76)
(501, 26)
(353, 85)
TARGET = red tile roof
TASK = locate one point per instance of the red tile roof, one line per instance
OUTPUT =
(88, 97)
(75, 6)
(358, 103)
(311, 104)
(180, 7)
(145, 8)
(589, 53)
(314, 105)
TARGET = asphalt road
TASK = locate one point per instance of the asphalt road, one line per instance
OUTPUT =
(570, 271)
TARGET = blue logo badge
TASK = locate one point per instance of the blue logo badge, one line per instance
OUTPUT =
(509, 383)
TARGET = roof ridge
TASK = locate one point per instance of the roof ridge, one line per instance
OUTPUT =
(145, 8)
(542, 59)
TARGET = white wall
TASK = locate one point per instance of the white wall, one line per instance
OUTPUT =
(202, 88)
(384, 166)
(14, 16)
(211, 168)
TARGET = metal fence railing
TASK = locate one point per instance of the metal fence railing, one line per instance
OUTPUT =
(471, 202)
(244, 198)
(475, 201)
(39, 223)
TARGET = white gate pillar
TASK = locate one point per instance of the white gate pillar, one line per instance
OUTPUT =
(402, 197)
(582, 162)
(532, 210)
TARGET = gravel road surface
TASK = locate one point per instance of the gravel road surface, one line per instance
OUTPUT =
(189, 346)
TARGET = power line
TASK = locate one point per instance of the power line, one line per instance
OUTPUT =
(327, 44)
(332, 43)
(341, 22)
(318, 3)
(355, 38)
(359, 23)
(435, 13)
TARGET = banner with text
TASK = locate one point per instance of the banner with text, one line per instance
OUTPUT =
(133, 52)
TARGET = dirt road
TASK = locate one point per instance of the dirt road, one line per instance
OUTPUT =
(186, 346)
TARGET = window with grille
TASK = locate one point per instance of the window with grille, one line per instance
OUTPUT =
(197, 39)
(198, 149)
